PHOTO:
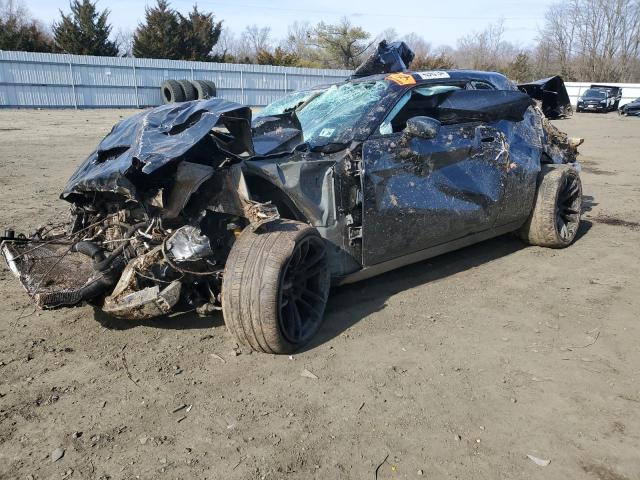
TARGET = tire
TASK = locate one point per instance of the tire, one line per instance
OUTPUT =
(262, 287)
(213, 90)
(203, 89)
(555, 217)
(188, 90)
(172, 92)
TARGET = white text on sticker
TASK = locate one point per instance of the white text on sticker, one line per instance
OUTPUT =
(432, 75)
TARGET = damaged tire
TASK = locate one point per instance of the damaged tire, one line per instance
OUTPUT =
(188, 89)
(275, 286)
(555, 217)
(172, 92)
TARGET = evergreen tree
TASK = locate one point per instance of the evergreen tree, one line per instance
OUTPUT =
(160, 35)
(199, 33)
(520, 69)
(84, 31)
(167, 34)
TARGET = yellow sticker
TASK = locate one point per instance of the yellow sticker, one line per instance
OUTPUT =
(401, 79)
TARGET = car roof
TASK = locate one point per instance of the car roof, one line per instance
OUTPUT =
(424, 77)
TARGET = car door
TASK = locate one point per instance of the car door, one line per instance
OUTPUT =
(421, 192)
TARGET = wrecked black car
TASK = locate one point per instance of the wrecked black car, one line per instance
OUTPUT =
(631, 109)
(199, 206)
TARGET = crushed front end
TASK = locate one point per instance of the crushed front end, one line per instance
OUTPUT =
(154, 212)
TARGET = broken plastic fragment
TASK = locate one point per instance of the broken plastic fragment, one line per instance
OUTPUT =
(539, 461)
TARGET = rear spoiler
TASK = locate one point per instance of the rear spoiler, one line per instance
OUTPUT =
(552, 93)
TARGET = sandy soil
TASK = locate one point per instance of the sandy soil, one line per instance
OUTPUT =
(458, 367)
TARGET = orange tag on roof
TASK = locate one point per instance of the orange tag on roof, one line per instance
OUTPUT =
(401, 79)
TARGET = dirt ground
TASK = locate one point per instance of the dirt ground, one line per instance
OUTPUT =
(458, 367)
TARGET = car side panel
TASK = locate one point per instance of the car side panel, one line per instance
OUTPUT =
(430, 192)
(313, 184)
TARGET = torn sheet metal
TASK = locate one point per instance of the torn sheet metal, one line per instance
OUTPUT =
(275, 134)
(308, 181)
(124, 162)
(135, 296)
(188, 179)
(142, 304)
(461, 106)
(188, 244)
(387, 58)
(552, 94)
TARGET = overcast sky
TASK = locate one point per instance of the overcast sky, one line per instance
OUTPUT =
(439, 22)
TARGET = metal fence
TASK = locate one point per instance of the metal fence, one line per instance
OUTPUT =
(46, 80)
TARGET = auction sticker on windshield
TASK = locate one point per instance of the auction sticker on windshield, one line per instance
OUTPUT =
(432, 75)
(327, 132)
(401, 79)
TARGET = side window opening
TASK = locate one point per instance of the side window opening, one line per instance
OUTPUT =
(421, 101)
(479, 85)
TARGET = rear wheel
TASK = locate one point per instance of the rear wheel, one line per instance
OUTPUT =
(555, 217)
(275, 286)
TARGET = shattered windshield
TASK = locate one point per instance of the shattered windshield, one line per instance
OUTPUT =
(285, 104)
(332, 116)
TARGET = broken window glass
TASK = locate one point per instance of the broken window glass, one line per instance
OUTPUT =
(397, 118)
(286, 104)
(332, 116)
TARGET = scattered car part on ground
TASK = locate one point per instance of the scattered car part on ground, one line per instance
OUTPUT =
(552, 94)
(174, 91)
(197, 206)
(631, 109)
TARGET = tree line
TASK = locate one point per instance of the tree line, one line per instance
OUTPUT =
(597, 40)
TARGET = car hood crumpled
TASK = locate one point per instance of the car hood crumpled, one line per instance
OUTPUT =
(205, 132)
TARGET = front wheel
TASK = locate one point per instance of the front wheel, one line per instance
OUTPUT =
(555, 217)
(275, 286)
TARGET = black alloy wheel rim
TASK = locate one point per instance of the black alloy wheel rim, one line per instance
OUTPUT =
(304, 287)
(568, 208)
